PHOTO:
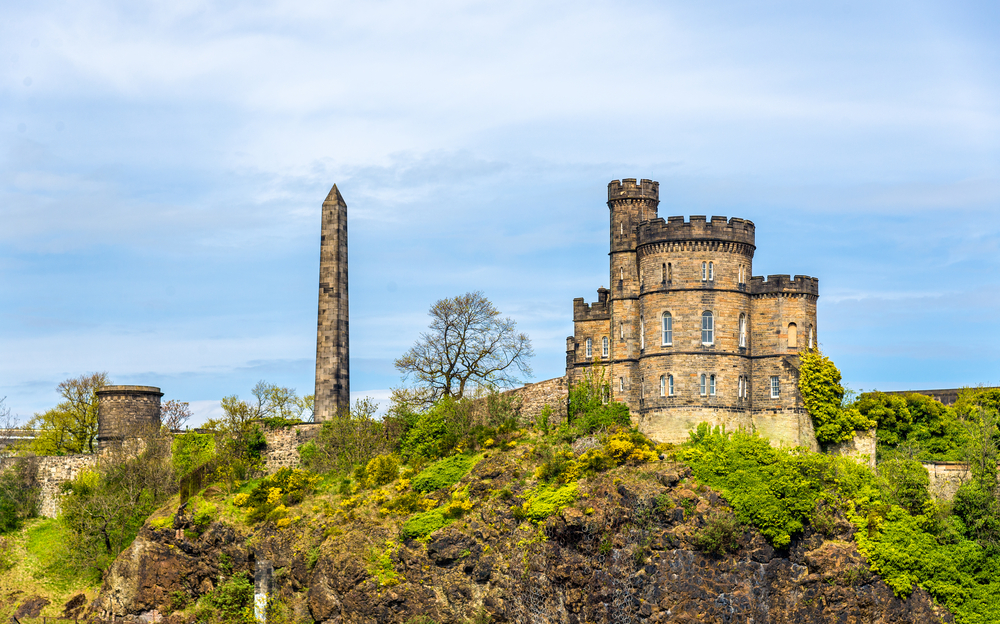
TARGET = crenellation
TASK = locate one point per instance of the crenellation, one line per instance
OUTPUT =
(628, 189)
(668, 276)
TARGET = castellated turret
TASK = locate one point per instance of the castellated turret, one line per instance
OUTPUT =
(685, 334)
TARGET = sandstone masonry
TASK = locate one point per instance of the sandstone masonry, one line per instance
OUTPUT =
(333, 384)
(686, 334)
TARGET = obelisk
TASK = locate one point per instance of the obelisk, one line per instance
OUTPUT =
(333, 382)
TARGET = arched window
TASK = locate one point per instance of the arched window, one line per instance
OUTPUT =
(711, 271)
(704, 384)
(711, 385)
(663, 385)
(743, 330)
(590, 348)
(810, 337)
(739, 388)
(707, 328)
(642, 333)
(621, 329)
(793, 336)
(621, 384)
(663, 272)
(668, 329)
(670, 385)
(604, 347)
(621, 273)
(621, 228)
(670, 272)
(704, 271)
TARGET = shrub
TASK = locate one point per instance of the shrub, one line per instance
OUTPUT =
(379, 565)
(905, 483)
(590, 406)
(286, 487)
(190, 450)
(443, 473)
(823, 396)
(423, 524)
(382, 470)
(547, 500)
(720, 535)
(231, 602)
(439, 430)
(202, 512)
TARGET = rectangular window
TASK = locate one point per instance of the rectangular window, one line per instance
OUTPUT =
(590, 348)
(663, 386)
(621, 384)
(670, 385)
(711, 271)
(668, 329)
(604, 347)
(703, 386)
(704, 271)
(711, 385)
(775, 387)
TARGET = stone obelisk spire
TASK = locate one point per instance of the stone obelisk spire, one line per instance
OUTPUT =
(333, 382)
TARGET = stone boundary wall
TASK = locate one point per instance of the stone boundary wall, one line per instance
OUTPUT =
(860, 448)
(535, 396)
(282, 445)
(946, 477)
(52, 472)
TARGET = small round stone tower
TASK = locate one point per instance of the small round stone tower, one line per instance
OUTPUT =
(125, 412)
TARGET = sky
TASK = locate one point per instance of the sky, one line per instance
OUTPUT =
(163, 167)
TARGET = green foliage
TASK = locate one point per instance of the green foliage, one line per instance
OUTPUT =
(590, 406)
(270, 497)
(351, 437)
(20, 492)
(71, 426)
(905, 481)
(382, 470)
(905, 551)
(423, 524)
(823, 396)
(914, 421)
(547, 500)
(190, 450)
(230, 603)
(379, 564)
(105, 508)
(202, 512)
(979, 512)
(439, 430)
(720, 535)
(772, 489)
(443, 473)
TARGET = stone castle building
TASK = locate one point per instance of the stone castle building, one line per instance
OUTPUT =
(333, 381)
(686, 333)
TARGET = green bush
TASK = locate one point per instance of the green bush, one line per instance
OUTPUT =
(382, 470)
(190, 450)
(916, 421)
(230, 603)
(202, 512)
(423, 524)
(443, 473)
(590, 405)
(720, 535)
(547, 500)
(288, 486)
(439, 430)
(823, 396)
(905, 481)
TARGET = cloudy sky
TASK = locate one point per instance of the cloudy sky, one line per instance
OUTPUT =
(162, 168)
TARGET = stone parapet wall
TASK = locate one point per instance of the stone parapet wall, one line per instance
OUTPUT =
(860, 448)
(52, 472)
(535, 396)
(946, 477)
(283, 445)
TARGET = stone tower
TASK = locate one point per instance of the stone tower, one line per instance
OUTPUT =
(126, 412)
(686, 334)
(333, 383)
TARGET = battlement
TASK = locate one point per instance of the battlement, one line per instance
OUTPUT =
(784, 284)
(599, 310)
(697, 228)
(628, 189)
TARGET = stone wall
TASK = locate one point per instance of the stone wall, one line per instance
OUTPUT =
(282, 445)
(52, 472)
(860, 448)
(946, 477)
(535, 396)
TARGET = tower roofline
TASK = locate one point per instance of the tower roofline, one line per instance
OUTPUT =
(697, 228)
(628, 189)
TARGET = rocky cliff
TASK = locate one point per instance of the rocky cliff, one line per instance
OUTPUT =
(631, 548)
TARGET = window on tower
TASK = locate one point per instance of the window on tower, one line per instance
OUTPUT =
(711, 271)
(663, 385)
(668, 329)
(604, 347)
(743, 330)
(793, 336)
(642, 333)
(775, 387)
(670, 385)
(704, 271)
(590, 348)
(707, 328)
(711, 385)
(703, 386)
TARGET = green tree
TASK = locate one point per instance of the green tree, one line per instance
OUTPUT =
(352, 437)
(590, 404)
(71, 426)
(20, 492)
(467, 345)
(823, 395)
(915, 421)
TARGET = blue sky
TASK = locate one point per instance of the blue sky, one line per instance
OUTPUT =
(162, 168)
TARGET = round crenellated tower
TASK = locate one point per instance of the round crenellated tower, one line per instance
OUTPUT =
(126, 412)
(694, 313)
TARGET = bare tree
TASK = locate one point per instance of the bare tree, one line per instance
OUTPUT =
(173, 414)
(468, 345)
